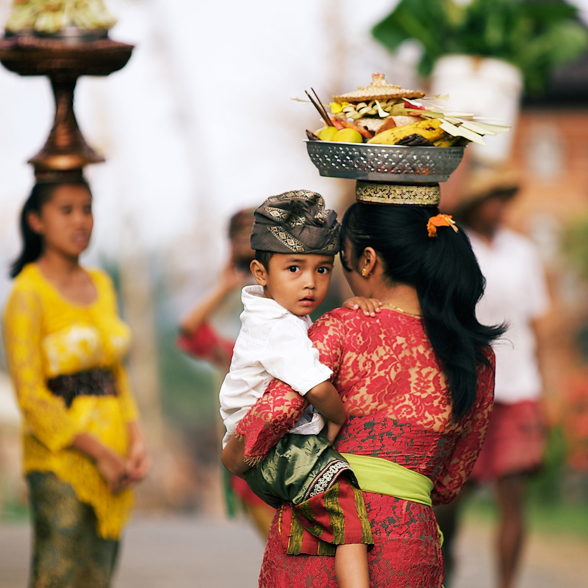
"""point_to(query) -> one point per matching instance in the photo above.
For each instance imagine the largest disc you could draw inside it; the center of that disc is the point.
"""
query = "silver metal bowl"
(396, 164)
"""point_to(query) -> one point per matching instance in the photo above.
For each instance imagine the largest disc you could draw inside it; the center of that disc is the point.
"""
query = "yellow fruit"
(327, 133)
(446, 141)
(348, 136)
(429, 129)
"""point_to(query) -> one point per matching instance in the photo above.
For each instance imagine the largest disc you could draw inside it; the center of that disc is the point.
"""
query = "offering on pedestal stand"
(63, 40)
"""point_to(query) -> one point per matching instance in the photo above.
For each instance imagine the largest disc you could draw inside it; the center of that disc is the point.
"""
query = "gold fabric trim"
(297, 246)
(285, 216)
(398, 194)
(288, 240)
(311, 197)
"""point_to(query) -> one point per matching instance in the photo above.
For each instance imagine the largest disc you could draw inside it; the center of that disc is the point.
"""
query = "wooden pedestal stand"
(63, 62)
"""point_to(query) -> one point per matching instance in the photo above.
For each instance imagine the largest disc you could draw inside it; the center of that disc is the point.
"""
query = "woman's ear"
(35, 222)
(259, 272)
(368, 261)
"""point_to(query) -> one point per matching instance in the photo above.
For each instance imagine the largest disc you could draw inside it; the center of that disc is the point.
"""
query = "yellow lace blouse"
(47, 336)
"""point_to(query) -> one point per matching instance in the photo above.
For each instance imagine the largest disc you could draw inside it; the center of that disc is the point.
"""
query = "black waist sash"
(97, 382)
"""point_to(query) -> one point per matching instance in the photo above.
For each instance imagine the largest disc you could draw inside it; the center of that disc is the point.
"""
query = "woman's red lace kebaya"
(399, 409)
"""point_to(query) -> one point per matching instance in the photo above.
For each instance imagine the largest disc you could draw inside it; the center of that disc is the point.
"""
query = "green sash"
(381, 476)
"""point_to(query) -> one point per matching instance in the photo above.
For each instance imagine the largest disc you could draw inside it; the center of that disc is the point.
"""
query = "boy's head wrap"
(295, 222)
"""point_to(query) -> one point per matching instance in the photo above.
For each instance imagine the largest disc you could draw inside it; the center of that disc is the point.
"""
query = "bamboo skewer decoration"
(320, 108)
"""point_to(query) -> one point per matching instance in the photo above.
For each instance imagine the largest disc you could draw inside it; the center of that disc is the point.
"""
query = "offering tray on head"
(398, 164)
(389, 134)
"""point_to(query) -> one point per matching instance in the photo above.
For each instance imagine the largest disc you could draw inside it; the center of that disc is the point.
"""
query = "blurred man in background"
(516, 294)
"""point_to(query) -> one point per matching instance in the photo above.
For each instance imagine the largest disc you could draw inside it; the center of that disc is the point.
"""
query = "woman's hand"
(137, 464)
(137, 457)
(369, 306)
(113, 469)
(111, 466)
(231, 278)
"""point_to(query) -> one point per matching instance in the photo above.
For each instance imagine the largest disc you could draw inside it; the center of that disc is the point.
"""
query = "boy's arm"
(325, 398)
(232, 456)
(276, 412)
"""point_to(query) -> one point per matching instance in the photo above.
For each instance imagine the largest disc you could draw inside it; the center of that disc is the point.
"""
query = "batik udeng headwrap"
(295, 222)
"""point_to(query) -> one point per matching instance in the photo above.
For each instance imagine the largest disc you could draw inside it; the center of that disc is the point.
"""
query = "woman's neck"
(58, 266)
(68, 277)
(401, 296)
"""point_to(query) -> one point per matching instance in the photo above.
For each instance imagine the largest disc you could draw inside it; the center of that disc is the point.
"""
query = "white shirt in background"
(516, 293)
(272, 343)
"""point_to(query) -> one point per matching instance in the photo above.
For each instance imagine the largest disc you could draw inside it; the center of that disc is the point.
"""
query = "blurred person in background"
(65, 344)
(516, 294)
(200, 336)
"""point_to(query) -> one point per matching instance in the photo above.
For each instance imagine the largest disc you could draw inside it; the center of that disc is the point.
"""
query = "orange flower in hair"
(441, 220)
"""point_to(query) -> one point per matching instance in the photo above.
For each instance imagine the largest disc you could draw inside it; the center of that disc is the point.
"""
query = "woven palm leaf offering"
(384, 129)
(59, 18)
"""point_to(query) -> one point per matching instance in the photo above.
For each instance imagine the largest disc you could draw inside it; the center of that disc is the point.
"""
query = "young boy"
(295, 240)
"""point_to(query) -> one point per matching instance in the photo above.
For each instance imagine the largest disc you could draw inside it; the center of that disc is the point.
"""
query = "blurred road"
(186, 552)
(170, 552)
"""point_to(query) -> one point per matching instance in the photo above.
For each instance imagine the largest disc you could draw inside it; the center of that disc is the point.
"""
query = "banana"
(428, 129)
(446, 141)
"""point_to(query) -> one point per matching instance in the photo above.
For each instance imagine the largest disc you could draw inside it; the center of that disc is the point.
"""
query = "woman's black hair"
(33, 242)
(447, 278)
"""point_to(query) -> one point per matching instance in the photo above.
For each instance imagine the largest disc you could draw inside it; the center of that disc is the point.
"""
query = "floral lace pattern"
(400, 409)
(406, 551)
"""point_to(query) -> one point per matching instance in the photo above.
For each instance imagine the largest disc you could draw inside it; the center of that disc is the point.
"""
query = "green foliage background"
(534, 36)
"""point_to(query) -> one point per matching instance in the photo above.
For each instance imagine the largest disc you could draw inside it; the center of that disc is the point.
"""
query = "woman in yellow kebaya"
(65, 344)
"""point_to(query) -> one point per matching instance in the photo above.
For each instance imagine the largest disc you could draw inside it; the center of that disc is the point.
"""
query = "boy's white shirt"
(272, 343)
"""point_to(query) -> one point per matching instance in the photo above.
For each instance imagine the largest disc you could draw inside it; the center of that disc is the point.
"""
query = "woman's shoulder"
(26, 293)
(341, 315)
(28, 280)
(490, 356)
(486, 371)
(336, 319)
(101, 278)
(489, 353)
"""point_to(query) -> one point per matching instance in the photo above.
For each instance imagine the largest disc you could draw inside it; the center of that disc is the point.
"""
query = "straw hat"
(379, 89)
(484, 183)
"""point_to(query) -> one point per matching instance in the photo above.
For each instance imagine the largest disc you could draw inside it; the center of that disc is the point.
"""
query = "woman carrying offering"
(82, 445)
(416, 381)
